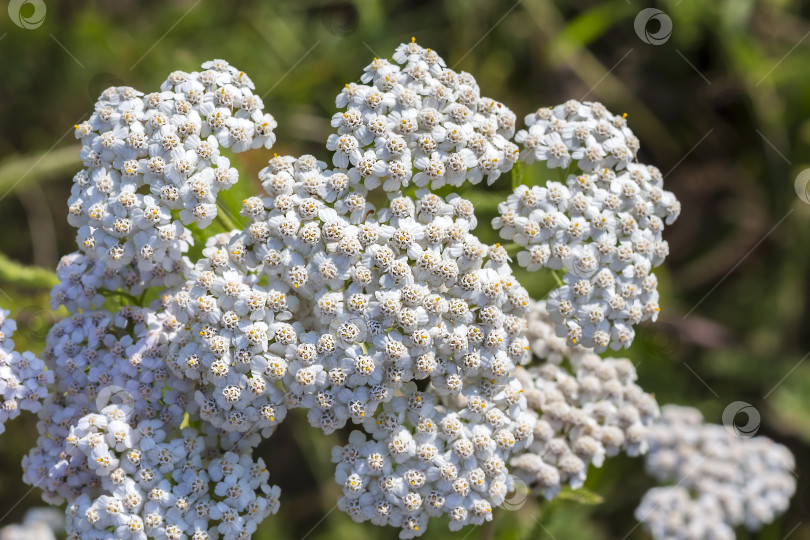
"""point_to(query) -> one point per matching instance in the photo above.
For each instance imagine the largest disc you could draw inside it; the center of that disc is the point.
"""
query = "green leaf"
(517, 175)
(31, 277)
(594, 23)
(581, 496)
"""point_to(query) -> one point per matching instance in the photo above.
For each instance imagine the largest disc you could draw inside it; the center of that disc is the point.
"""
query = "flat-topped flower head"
(185, 486)
(602, 227)
(310, 307)
(24, 378)
(585, 408)
(356, 288)
(297, 303)
(153, 165)
(712, 468)
(416, 120)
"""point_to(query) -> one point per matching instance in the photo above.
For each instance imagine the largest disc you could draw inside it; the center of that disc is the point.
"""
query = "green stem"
(224, 219)
(226, 224)
(31, 277)
(517, 175)
(121, 294)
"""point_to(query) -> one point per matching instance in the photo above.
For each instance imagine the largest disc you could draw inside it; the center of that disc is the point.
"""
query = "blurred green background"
(721, 107)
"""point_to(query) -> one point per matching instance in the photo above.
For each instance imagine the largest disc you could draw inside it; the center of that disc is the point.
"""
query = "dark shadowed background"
(721, 107)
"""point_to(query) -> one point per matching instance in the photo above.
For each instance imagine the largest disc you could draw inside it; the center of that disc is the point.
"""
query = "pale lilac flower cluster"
(746, 481)
(226, 334)
(23, 378)
(585, 409)
(188, 486)
(586, 135)
(671, 513)
(603, 229)
(417, 120)
(96, 358)
(325, 303)
(153, 164)
(39, 523)
(363, 300)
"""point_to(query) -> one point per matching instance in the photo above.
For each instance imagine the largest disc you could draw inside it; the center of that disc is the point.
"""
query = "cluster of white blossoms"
(185, 487)
(544, 343)
(24, 379)
(420, 121)
(722, 480)
(174, 488)
(39, 523)
(354, 292)
(85, 281)
(132, 465)
(584, 410)
(96, 358)
(585, 133)
(226, 335)
(671, 513)
(153, 166)
(325, 303)
(602, 226)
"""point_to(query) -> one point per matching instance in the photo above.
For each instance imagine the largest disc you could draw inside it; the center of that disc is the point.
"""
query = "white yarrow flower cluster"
(24, 379)
(671, 513)
(583, 413)
(110, 461)
(544, 343)
(734, 480)
(602, 226)
(153, 165)
(171, 488)
(98, 358)
(417, 120)
(344, 307)
(365, 301)
(227, 334)
(583, 134)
